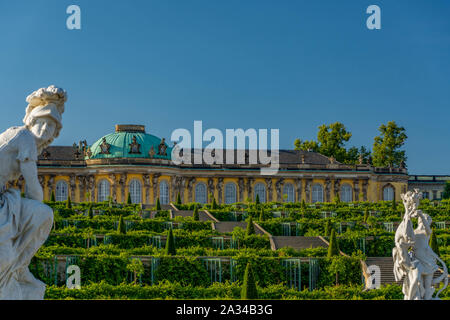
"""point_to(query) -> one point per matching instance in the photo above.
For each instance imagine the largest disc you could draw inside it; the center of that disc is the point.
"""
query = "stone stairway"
(203, 216)
(298, 242)
(228, 226)
(386, 265)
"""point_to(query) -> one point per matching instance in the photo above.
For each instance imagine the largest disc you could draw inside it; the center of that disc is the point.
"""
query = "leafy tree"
(158, 204)
(332, 139)
(446, 193)
(196, 215)
(238, 235)
(306, 145)
(433, 242)
(250, 227)
(333, 248)
(386, 146)
(121, 227)
(129, 199)
(68, 203)
(249, 290)
(52, 196)
(354, 155)
(178, 199)
(170, 244)
(137, 267)
(337, 266)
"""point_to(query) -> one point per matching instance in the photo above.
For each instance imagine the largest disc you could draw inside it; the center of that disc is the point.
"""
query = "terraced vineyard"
(121, 249)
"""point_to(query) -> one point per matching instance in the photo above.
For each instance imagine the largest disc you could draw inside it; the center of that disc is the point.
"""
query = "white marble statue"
(413, 257)
(25, 223)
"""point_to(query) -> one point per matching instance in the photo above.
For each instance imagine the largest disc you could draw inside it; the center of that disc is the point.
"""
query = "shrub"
(249, 290)
(250, 227)
(121, 226)
(195, 215)
(158, 205)
(333, 249)
(68, 203)
(433, 242)
(170, 244)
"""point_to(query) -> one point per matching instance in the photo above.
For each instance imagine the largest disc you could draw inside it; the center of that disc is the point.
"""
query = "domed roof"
(128, 141)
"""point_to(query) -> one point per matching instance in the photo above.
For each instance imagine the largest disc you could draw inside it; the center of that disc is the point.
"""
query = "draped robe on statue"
(24, 223)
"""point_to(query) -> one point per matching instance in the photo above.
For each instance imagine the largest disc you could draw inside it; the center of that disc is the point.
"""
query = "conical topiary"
(196, 215)
(158, 205)
(250, 227)
(261, 215)
(257, 202)
(249, 290)
(303, 205)
(333, 248)
(52, 196)
(121, 227)
(433, 242)
(366, 215)
(129, 199)
(178, 199)
(90, 211)
(170, 244)
(68, 203)
(328, 228)
(214, 204)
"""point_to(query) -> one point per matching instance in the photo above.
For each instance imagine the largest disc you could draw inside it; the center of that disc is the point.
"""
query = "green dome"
(121, 144)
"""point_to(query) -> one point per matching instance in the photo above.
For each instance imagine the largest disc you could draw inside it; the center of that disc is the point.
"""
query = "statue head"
(44, 114)
(411, 200)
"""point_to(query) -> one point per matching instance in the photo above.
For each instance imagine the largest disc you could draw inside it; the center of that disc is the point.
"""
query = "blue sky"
(292, 65)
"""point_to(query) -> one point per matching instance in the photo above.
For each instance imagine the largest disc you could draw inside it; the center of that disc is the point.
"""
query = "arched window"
(103, 190)
(163, 192)
(135, 191)
(346, 193)
(230, 193)
(317, 193)
(61, 191)
(260, 190)
(200, 193)
(388, 193)
(288, 189)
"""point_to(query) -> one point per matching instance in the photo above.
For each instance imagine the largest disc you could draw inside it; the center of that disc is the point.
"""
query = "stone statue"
(413, 257)
(25, 223)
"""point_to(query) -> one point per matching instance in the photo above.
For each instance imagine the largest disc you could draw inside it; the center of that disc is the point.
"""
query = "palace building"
(132, 161)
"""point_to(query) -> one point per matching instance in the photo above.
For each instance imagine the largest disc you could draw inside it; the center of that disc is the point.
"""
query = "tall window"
(230, 193)
(163, 192)
(61, 191)
(388, 193)
(135, 191)
(346, 193)
(288, 189)
(317, 193)
(260, 190)
(200, 193)
(103, 190)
